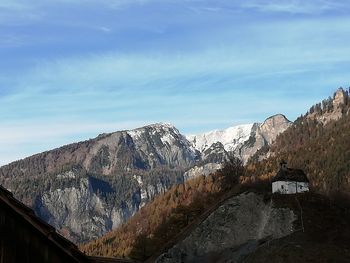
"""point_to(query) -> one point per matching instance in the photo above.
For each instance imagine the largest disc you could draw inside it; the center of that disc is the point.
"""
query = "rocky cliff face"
(86, 207)
(162, 144)
(80, 212)
(232, 231)
(263, 135)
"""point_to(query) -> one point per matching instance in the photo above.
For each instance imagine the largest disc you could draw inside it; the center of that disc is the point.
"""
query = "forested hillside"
(318, 142)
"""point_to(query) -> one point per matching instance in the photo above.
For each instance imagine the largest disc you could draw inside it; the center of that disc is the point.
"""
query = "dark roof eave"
(288, 180)
(41, 226)
(291, 175)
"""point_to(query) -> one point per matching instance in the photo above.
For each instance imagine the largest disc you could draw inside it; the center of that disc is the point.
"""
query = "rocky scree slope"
(233, 230)
(324, 235)
(253, 227)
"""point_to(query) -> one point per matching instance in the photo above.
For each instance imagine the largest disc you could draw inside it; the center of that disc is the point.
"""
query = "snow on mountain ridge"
(230, 137)
(166, 133)
(156, 128)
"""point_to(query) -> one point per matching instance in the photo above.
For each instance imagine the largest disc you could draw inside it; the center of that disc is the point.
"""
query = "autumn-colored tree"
(142, 248)
(232, 170)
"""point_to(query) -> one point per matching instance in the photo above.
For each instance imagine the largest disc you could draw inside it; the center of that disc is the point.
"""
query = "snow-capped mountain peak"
(230, 137)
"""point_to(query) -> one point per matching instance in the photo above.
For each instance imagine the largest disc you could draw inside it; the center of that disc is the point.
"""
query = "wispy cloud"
(104, 29)
(293, 6)
(14, 5)
(11, 40)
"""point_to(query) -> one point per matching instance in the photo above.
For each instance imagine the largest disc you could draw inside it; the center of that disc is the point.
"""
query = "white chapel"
(289, 181)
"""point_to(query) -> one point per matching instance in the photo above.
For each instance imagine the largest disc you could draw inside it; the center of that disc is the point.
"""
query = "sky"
(72, 69)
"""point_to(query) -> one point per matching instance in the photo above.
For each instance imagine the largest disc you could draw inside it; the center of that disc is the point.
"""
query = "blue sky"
(73, 69)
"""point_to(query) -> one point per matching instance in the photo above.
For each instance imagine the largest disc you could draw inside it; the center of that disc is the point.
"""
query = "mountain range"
(88, 188)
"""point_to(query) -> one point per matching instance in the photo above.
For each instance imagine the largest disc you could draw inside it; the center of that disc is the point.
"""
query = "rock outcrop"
(263, 135)
(330, 109)
(205, 170)
(339, 98)
(232, 230)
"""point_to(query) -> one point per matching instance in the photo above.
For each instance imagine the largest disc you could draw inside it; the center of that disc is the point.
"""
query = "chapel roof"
(288, 174)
